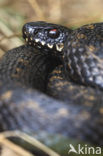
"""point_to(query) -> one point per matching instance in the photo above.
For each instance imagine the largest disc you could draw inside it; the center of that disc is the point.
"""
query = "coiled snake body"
(64, 64)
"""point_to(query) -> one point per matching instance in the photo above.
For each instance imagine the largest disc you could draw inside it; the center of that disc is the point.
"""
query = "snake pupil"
(54, 33)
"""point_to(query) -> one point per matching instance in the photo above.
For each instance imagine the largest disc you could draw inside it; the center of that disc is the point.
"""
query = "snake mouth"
(38, 43)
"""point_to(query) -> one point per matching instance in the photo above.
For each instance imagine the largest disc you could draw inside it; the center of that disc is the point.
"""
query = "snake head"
(45, 36)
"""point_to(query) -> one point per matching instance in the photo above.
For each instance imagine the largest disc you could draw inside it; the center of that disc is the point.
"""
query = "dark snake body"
(80, 113)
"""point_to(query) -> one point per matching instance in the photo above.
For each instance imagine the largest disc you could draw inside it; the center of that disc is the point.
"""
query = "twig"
(37, 9)
(30, 140)
(13, 147)
(11, 36)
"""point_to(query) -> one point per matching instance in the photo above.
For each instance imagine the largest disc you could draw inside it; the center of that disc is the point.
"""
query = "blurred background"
(71, 13)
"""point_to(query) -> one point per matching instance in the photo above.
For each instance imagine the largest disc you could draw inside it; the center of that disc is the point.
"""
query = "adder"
(54, 83)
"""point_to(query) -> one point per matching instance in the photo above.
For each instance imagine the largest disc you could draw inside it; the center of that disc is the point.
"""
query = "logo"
(72, 149)
(84, 149)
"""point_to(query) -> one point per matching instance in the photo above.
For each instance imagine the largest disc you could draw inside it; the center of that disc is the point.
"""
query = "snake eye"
(53, 33)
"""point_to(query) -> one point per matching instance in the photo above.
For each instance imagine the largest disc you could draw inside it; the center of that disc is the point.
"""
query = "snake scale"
(54, 83)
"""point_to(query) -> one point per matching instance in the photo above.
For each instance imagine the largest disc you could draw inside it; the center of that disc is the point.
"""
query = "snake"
(54, 82)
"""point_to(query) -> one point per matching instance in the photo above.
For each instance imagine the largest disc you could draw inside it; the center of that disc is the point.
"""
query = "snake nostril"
(35, 31)
(25, 31)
